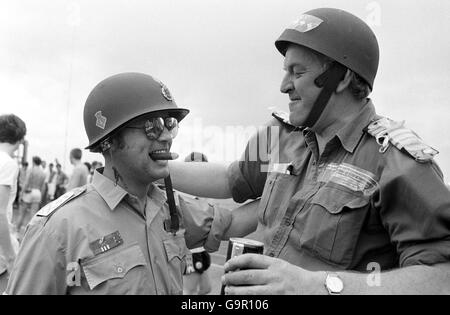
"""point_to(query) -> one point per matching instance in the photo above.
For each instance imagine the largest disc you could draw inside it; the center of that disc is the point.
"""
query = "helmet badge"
(165, 92)
(306, 23)
(101, 120)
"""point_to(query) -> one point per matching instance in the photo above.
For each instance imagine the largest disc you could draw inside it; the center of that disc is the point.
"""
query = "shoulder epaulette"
(49, 209)
(388, 131)
(283, 118)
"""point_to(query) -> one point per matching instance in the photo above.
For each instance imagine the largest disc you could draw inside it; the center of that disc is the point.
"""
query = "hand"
(264, 275)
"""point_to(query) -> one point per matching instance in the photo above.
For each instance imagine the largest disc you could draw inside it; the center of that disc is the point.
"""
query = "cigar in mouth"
(163, 156)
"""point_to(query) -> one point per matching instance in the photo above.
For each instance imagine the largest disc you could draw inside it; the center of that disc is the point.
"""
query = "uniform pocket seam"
(127, 258)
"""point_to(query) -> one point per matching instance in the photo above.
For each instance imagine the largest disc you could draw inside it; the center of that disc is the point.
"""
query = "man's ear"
(345, 82)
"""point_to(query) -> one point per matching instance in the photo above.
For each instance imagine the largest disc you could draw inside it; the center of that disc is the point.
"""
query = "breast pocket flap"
(336, 200)
(113, 266)
(175, 248)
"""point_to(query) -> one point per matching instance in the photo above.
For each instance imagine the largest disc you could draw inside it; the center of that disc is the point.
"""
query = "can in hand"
(240, 246)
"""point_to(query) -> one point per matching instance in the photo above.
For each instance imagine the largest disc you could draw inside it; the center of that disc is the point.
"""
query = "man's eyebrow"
(293, 65)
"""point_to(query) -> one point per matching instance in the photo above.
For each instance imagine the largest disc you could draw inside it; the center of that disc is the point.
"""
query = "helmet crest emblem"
(165, 92)
(306, 23)
(101, 120)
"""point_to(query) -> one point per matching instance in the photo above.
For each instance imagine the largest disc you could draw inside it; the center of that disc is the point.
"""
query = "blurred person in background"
(51, 182)
(12, 134)
(80, 172)
(61, 181)
(95, 165)
(32, 194)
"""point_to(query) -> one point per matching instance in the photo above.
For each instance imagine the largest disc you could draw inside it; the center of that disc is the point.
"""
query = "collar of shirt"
(351, 133)
(113, 194)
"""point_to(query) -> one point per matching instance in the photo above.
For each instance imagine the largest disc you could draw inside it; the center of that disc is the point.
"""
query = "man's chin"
(162, 173)
(295, 120)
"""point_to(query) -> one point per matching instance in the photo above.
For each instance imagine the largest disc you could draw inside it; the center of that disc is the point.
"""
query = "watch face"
(334, 284)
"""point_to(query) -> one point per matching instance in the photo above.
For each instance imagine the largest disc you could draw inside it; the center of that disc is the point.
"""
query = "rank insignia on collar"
(106, 243)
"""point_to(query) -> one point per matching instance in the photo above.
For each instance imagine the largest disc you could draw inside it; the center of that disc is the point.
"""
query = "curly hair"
(358, 87)
(12, 129)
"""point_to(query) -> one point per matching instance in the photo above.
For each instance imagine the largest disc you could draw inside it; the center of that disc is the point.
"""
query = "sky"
(218, 60)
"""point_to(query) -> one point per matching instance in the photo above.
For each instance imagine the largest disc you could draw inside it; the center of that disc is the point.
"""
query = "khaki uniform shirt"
(66, 248)
(352, 208)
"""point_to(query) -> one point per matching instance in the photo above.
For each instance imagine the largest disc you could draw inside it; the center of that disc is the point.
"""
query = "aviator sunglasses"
(154, 127)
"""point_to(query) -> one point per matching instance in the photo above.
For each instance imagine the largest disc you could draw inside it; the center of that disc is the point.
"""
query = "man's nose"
(166, 135)
(286, 84)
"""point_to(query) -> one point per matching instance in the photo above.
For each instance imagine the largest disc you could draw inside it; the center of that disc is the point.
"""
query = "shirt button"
(119, 269)
(314, 163)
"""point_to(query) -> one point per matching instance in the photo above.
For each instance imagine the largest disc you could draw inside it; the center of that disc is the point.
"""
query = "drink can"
(240, 246)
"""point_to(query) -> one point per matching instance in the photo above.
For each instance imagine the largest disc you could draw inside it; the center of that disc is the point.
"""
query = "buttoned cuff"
(205, 223)
(220, 224)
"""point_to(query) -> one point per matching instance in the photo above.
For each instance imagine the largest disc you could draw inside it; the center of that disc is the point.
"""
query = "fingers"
(248, 261)
(246, 277)
(252, 290)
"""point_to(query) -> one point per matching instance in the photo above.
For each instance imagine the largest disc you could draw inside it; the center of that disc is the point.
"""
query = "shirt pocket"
(274, 198)
(176, 250)
(333, 224)
(123, 271)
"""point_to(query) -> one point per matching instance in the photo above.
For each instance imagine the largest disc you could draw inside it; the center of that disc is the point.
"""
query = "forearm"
(415, 280)
(207, 180)
(6, 247)
(244, 220)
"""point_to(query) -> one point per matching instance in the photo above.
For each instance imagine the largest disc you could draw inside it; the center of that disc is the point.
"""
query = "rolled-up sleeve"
(248, 175)
(205, 223)
(39, 268)
(415, 210)
(246, 180)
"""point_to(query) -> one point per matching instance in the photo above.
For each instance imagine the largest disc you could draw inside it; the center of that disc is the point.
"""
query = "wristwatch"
(334, 284)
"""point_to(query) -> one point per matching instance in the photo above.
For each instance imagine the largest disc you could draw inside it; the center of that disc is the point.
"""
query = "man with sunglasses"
(119, 235)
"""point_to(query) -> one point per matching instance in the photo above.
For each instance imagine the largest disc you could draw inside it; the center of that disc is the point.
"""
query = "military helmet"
(338, 35)
(121, 98)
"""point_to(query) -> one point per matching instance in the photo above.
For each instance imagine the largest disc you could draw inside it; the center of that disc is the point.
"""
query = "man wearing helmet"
(352, 203)
(118, 235)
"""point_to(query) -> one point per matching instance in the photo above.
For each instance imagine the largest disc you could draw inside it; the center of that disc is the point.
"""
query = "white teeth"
(160, 151)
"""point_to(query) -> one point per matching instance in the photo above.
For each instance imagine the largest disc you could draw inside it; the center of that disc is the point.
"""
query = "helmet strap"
(105, 145)
(329, 81)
